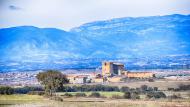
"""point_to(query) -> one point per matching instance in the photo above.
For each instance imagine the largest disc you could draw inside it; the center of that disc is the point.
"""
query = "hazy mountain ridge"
(163, 35)
(140, 42)
(28, 41)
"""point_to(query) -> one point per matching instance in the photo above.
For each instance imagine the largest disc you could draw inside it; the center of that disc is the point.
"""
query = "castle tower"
(107, 68)
(111, 68)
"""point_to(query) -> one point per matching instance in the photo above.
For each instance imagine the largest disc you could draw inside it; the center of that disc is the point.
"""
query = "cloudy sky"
(65, 14)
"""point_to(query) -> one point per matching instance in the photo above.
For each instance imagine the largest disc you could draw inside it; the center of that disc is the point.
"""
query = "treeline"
(152, 92)
(180, 88)
(21, 90)
(87, 88)
(82, 88)
(6, 90)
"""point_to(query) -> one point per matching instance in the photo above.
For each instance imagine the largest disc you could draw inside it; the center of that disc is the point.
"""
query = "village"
(114, 83)
(111, 72)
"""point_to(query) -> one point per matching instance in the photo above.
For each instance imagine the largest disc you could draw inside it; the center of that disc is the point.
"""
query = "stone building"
(80, 80)
(111, 72)
(139, 74)
(111, 68)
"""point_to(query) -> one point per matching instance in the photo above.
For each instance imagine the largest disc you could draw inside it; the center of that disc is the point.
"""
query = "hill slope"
(140, 37)
(138, 42)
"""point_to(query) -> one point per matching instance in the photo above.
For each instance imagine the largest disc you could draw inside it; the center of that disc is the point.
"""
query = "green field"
(19, 99)
(105, 94)
(40, 101)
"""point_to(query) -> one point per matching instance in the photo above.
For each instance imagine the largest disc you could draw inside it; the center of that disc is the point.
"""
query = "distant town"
(112, 72)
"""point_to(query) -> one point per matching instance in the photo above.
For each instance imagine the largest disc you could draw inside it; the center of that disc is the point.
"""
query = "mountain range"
(134, 41)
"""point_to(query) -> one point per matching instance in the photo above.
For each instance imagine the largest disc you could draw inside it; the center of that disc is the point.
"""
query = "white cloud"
(65, 14)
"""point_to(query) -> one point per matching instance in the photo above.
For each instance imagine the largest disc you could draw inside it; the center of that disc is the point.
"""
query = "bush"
(150, 89)
(87, 88)
(116, 97)
(184, 87)
(95, 94)
(56, 98)
(80, 95)
(127, 95)
(155, 95)
(174, 96)
(171, 89)
(135, 95)
(26, 89)
(6, 90)
(124, 89)
(160, 95)
(144, 87)
(36, 93)
(155, 88)
(68, 95)
(151, 80)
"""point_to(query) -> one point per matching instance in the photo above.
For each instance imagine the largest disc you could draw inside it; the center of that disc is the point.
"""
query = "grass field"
(106, 94)
(161, 84)
(23, 100)
(19, 99)
(39, 101)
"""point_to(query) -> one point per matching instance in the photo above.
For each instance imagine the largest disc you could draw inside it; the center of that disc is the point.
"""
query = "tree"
(127, 95)
(124, 89)
(155, 88)
(155, 95)
(135, 95)
(6, 90)
(52, 80)
(144, 87)
(80, 95)
(95, 94)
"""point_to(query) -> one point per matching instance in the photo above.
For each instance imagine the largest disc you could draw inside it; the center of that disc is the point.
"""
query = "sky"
(66, 14)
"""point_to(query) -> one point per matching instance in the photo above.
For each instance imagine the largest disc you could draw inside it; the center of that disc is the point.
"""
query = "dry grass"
(38, 101)
(161, 84)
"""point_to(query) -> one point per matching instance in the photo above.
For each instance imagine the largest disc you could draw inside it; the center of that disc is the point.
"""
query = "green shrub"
(150, 89)
(36, 93)
(6, 90)
(56, 98)
(161, 95)
(151, 80)
(80, 95)
(68, 95)
(127, 95)
(116, 97)
(155, 88)
(26, 89)
(88, 88)
(171, 89)
(144, 87)
(95, 94)
(183, 87)
(135, 95)
(124, 89)
(174, 96)
(155, 95)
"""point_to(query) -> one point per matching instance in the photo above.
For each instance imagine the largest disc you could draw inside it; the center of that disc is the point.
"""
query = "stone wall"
(139, 74)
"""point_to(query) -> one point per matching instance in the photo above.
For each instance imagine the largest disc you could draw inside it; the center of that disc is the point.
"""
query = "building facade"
(139, 74)
(111, 68)
(111, 72)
